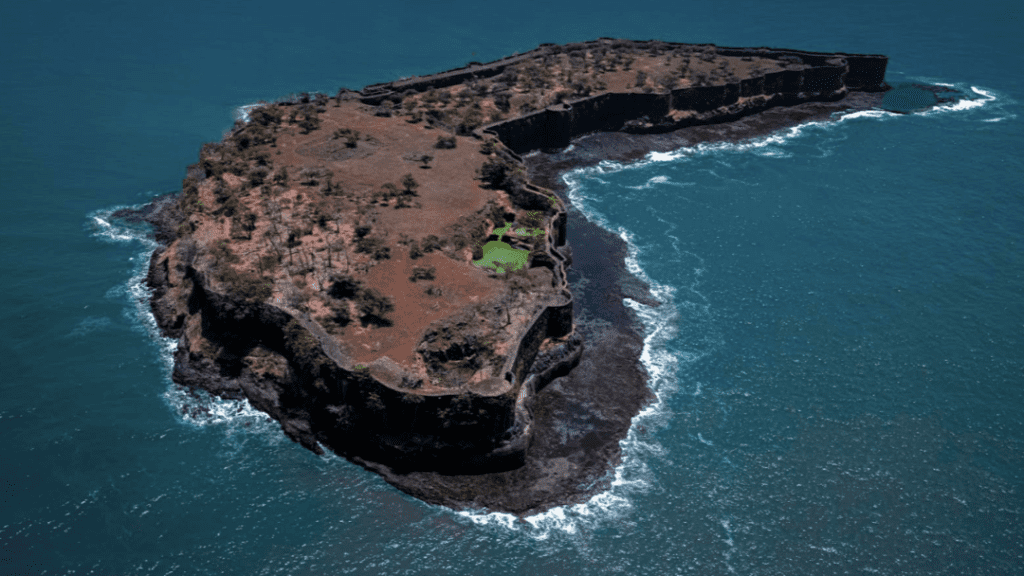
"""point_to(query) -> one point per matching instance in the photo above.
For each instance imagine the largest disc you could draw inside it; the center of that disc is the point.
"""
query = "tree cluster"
(351, 137)
(373, 306)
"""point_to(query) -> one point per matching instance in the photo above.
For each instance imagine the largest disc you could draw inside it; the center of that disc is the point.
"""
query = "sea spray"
(197, 408)
(633, 475)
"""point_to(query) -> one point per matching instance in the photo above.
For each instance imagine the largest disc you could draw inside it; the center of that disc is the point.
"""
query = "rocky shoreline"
(609, 379)
(581, 391)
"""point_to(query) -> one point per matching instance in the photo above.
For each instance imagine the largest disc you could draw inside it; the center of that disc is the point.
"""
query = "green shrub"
(374, 307)
(387, 192)
(374, 247)
(248, 286)
(533, 219)
(223, 254)
(252, 287)
(351, 137)
(495, 172)
(184, 229)
(502, 101)
(313, 176)
(445, 142)
(242, 225)
(410, 185)
(310, 120)
(340, 315)
(266, 115)
(421, 273)
(344, 286)
(414, 250)
(332, 189)
(430, 243)
(257, 176)
(471, 120)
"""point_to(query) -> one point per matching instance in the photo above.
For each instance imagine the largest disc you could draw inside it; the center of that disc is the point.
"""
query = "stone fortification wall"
(813, 76)
(324, 400)
(821, 77)
(378, 412)
(865, 72)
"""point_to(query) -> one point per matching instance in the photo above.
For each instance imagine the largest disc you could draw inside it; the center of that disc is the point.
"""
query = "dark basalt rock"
(501, 452)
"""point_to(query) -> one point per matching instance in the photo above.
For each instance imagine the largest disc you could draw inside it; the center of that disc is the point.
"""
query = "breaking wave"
(661, 324)
(196, 408)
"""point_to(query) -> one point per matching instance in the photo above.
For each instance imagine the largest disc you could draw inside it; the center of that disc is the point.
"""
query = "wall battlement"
(380, 412)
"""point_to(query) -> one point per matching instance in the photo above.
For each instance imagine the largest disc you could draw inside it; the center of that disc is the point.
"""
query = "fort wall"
(378, 412)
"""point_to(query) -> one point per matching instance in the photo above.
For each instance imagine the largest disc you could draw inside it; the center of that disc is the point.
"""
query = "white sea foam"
(772, 145)
(660, 324)
(633, 475)
(983, 98)
(198, 409)
(242, 112)
(201, 409)
(775, 144)
(108, 230)
(658, 181)
(871, 114)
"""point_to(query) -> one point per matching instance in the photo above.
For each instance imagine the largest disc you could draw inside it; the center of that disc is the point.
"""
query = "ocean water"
(838, 361)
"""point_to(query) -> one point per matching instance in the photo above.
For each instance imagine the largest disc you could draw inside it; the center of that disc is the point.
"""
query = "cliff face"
(303, 271)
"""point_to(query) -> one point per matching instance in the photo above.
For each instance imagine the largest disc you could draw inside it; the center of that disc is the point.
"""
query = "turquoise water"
(838, 363)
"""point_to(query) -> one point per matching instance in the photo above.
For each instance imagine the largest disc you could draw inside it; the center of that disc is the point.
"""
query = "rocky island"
(387, 274)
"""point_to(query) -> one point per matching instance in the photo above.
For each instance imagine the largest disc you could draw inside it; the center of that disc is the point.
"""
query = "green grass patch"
(501, 257)
(501, 232)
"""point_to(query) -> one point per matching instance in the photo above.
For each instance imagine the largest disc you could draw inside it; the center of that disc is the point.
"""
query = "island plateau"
(387, 272)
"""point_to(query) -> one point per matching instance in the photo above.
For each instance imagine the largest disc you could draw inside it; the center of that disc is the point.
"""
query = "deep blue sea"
(838, 362)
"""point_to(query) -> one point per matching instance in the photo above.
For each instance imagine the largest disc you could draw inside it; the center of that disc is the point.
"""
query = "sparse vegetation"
(374, 247)
(248, 286)
(223, 254)
(344, 286)
(445, 142)
(374, 308)
(430, 243)
(340, 315)
(421, 273)
(414, 250)
(310, 119)
(410, 185)
(351, 137)
(318, 244)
